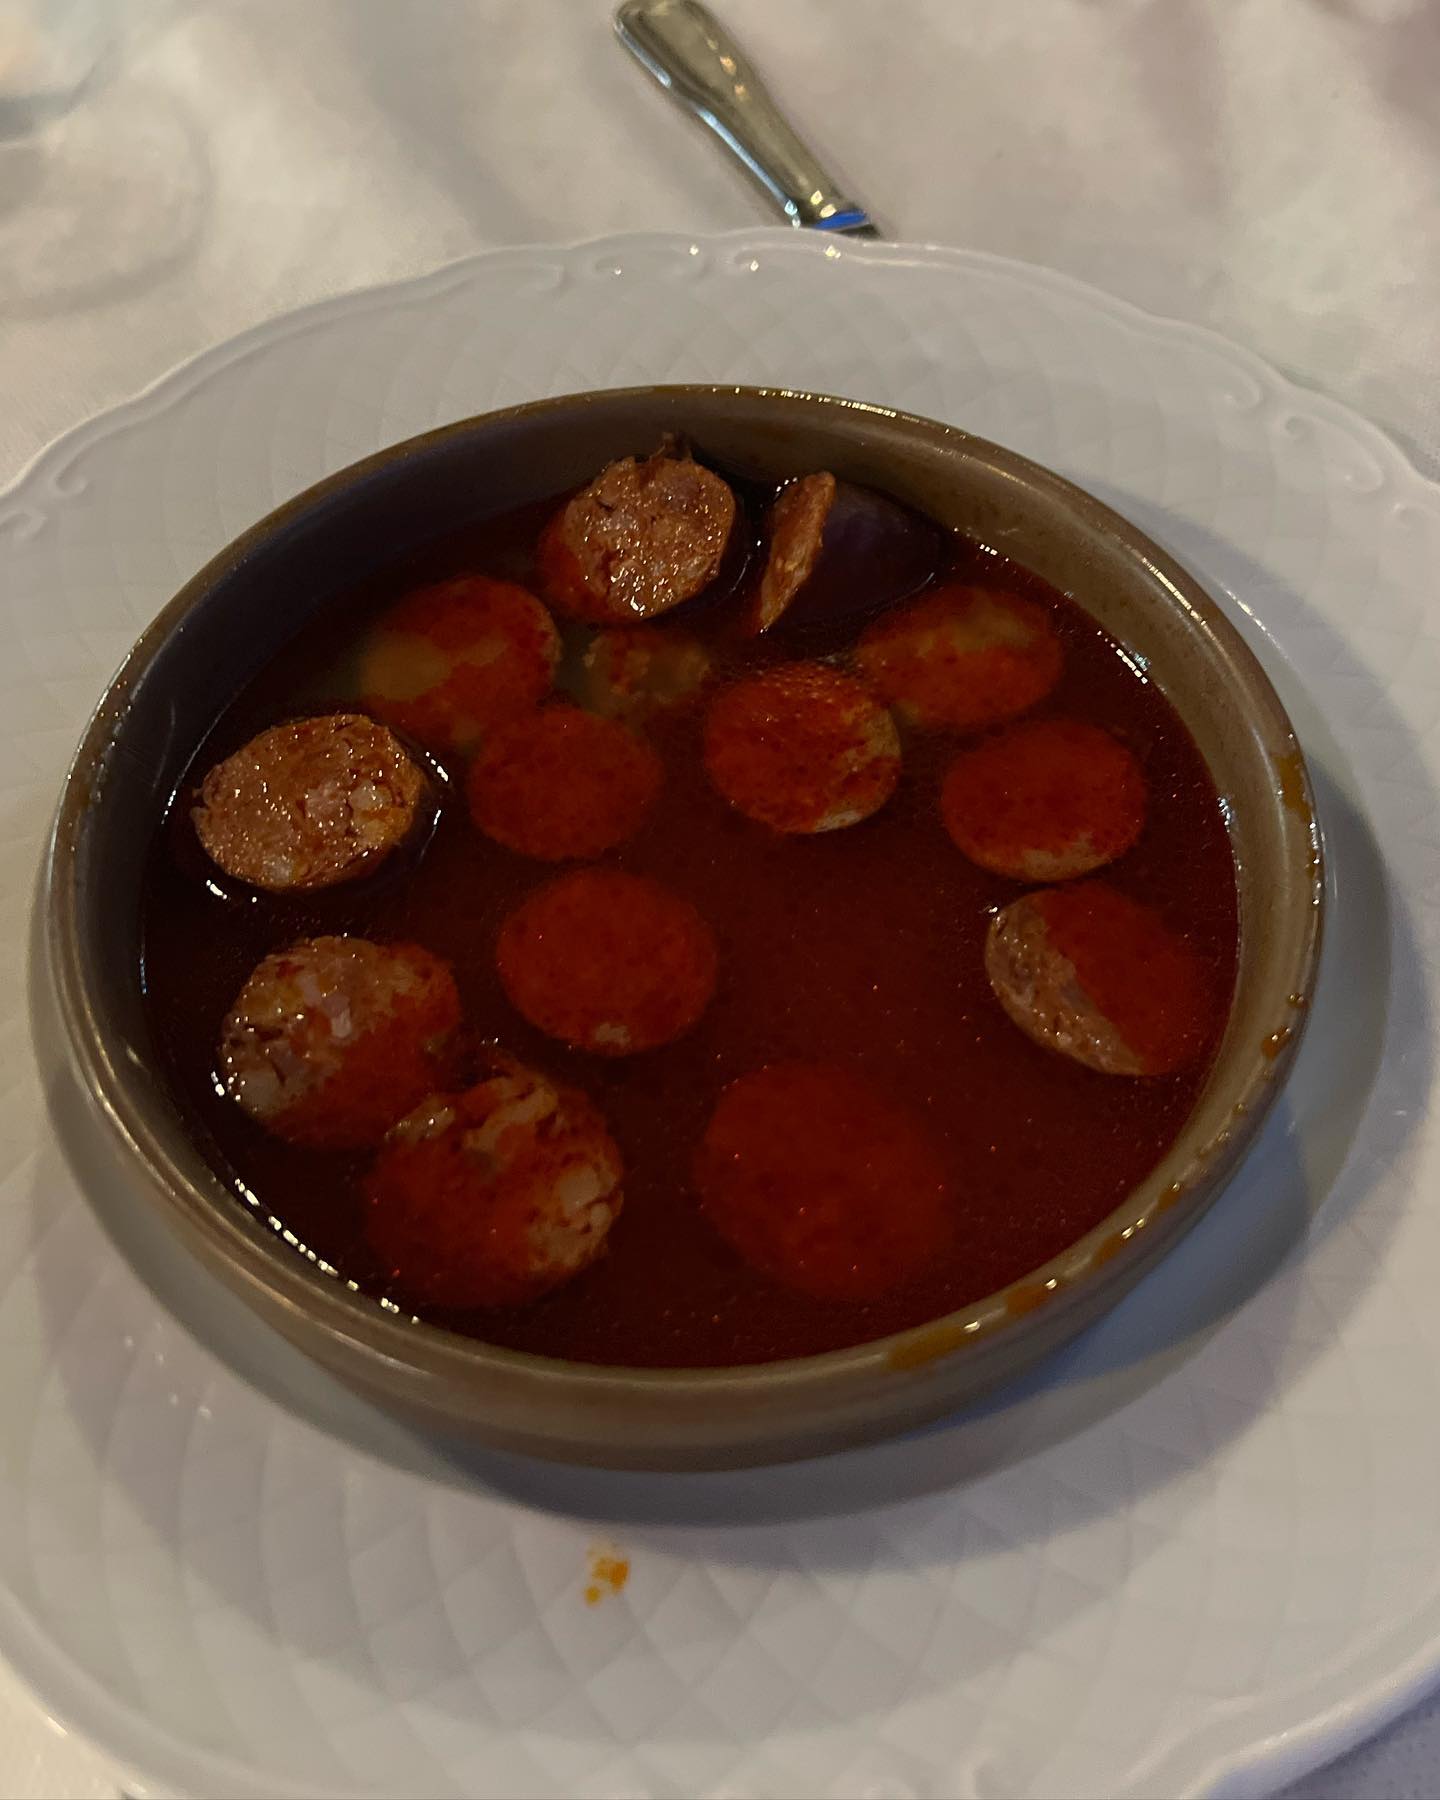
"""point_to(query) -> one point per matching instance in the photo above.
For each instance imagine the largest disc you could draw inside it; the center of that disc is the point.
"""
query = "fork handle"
(690, 53)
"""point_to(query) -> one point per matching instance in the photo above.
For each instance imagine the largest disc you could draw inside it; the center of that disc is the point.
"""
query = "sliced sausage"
(823, 1182)
(561, 782)
(450, 661)
(607, 962)
(802, 748)
(794, 530)
(493, 1196)
(641, 538)
(310, 803)
(636, 672)
(1047, 800)
(1101, 978)
(962, 657)
(331, 1041)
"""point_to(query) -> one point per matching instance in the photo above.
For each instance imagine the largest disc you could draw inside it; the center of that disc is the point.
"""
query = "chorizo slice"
(310, 803)
(642, 538)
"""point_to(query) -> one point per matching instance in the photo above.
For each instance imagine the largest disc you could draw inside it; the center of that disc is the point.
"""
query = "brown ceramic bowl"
(212, 637)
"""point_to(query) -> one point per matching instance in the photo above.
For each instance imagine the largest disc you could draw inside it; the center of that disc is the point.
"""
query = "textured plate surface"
(1198, 1554)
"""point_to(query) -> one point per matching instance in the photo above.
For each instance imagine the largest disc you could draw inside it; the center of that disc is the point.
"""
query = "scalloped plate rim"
(175, 382)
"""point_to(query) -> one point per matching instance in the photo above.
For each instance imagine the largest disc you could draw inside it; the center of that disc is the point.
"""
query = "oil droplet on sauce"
(1276, 1042)
(928, 1346)
(1025, 1296)
(608, 1574)
(1290, 774)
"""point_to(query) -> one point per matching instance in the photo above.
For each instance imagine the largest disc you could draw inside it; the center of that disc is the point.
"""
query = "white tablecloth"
(1268, 167)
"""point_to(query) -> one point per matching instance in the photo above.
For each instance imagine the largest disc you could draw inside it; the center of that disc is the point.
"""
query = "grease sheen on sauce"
(862, 946)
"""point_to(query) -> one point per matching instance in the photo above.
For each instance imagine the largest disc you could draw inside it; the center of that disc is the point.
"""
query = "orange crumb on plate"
(608, 1574)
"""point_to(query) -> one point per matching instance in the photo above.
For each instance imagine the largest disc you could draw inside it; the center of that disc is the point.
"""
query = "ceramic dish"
(248, 601)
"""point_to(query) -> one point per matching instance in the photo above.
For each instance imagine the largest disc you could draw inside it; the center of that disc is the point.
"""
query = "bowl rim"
(261, 1260)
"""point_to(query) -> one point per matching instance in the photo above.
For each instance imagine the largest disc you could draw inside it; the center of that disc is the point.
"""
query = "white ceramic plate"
(1199, 1553)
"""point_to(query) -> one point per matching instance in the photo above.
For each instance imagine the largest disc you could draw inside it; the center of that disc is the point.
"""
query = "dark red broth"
(859, 946)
